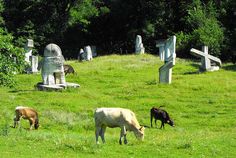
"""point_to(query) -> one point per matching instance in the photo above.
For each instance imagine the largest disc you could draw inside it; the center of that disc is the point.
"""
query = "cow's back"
(113, 117)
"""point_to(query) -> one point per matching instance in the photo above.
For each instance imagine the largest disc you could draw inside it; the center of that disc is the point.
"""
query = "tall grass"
(201, 104)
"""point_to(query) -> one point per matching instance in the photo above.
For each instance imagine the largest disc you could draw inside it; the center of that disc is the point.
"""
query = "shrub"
(11, 59)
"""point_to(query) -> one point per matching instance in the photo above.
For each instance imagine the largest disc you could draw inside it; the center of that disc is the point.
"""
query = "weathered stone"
(207, 60)
(139, 48)
(88, 53)
(34, 64)
(28, 50)
(81, 55)
(52, 69)
(168, 55)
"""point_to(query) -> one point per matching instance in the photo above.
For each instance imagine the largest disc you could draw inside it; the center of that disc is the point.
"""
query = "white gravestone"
(139, 48)
(168, 55)
(28, 50)
(88, 53)
(52, 69)
(206, 59)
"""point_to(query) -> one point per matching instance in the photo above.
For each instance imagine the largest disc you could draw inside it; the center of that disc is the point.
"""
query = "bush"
(11, 59)
(203, 29)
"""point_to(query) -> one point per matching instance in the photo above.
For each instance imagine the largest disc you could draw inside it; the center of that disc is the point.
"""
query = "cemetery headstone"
(168, 55)
(139, 48)
(28, 50)
(88, 53)
(53, 75)
(81, 55)
(208, 62)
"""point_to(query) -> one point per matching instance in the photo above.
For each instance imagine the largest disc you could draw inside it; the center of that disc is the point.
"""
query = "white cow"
(117, 117)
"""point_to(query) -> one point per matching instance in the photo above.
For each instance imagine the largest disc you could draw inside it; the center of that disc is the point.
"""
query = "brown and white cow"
(117, 117)
(26, 113)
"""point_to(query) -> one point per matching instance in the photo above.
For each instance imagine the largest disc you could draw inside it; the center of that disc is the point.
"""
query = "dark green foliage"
(113, 25)
(11, 59)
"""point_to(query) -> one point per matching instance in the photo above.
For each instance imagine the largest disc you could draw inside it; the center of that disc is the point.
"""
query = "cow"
(26, 113)
(160, 114)
(117, 117)
(68, 69)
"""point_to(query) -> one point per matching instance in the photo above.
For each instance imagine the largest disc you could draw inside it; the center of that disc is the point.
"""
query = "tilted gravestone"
(168, 54)
(207, 60)
(139, 48)
(52, 70)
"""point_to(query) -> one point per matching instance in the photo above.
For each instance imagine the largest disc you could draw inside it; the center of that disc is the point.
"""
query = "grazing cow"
(117, 117)
(68, 69)
(26, 113)
(160, 114)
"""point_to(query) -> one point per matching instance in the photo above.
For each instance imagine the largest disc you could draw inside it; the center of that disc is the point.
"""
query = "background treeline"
(112, 26)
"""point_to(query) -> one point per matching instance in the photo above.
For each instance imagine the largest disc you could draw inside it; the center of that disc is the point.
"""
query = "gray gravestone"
(34, 64)
(207, 60)
(81, 55)
(52, 69)
(168, 55)
(139, 48)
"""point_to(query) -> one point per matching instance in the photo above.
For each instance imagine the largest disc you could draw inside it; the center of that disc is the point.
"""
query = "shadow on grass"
(230, 67)
(17, 91)
(193, 72)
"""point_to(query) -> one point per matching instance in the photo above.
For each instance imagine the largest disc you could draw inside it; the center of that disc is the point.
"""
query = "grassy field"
(202, 105)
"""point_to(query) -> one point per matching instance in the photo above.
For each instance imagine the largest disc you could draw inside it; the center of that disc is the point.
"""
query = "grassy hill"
(202, 105)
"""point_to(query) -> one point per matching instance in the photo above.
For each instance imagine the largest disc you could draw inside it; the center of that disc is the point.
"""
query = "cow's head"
(170, 122)
(140, 133)
(36, 125)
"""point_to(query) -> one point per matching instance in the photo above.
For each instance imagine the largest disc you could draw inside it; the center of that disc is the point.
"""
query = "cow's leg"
(123, 134)
(16, 121)
(97, 133)
(103, 130)
(151, 116)
(162, 124)
(31, 123)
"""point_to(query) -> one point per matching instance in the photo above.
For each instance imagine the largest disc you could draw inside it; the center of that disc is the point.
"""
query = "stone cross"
(168, 55)
(206, 59)
(139, 48)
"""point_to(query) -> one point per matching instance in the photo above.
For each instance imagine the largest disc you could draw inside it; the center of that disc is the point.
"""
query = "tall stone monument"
(88, 53)
(29, 58)
(168, 55)
(208, 62)
(52, 69)
(28, 50)
(139, 48)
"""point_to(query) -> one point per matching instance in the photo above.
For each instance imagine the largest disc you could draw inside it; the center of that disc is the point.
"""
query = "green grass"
(202, 105)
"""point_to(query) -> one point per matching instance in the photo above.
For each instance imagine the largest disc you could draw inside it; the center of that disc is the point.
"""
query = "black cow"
(68, 69)
(160, 114)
